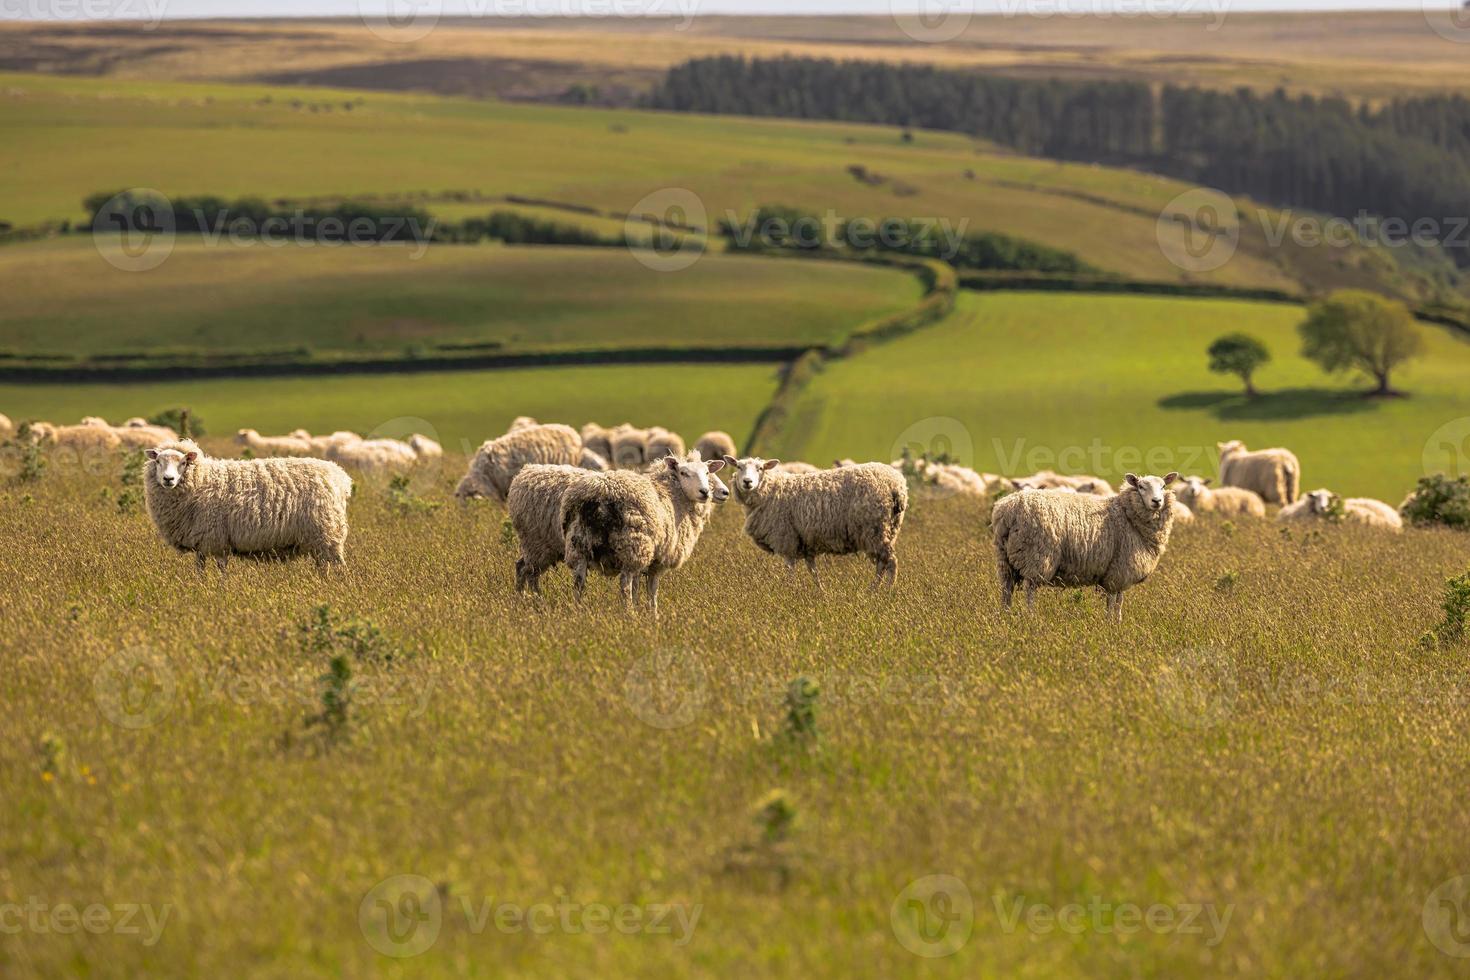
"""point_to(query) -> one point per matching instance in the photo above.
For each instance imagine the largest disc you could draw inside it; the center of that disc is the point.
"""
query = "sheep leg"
(579, 579)
(199, 559)
(521, 575)
(652, 591)
(1115, 606)
(220, 560)
(811, 566)
(1030, 596)
(1007, 586)
(628, 583)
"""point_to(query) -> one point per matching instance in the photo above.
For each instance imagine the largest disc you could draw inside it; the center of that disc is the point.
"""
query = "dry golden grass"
(1262, 736)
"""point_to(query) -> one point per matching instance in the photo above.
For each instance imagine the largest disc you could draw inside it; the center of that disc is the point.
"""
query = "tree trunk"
(1383, 388)
(1250, 388)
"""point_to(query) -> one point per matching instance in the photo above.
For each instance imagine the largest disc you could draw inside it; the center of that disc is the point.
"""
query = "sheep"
(849, 510)
(80, 438)
(1028, 483)
(715, 444)
(136, 433)
(425, 448)
(522, 422)
(629, 447)
(1273, 474)
(497, 461)
(272, 445)
(598, 440)
(1070, 540)
(322, 445)
(7, 427)
(219, 507)
(1323, 505)
(661, 442)
(591, 461)
(374, 455)
(796, 466)
(627, 524)
(1196, 494)
(951, 478)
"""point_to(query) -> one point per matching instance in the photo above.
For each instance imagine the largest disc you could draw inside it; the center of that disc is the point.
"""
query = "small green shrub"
(1440, 500)
(404, 501)
(1456, 608)
(336, 699)
(801, 710)
(325, 633)
(181, 420)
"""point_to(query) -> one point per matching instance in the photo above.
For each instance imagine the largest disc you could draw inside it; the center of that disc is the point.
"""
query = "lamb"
(598, 440)
(498, 461)
(1273, 474)
(661, 442)
(425, 448)
(629, 447)
(843, 511)
(627, 524)
(715, 444)
(219, 507)
(1045, 537)
(1196, 494)
(1322, 505)
(272, 445)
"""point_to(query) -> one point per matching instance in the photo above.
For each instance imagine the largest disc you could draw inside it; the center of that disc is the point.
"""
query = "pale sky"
(172, 9)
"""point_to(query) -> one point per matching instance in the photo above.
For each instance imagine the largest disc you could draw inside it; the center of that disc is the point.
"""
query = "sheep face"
(1152, 489)
(694, 476)
(717, 487)
(245, 435)
(170, 466)
(1321, 501)
(750, 471)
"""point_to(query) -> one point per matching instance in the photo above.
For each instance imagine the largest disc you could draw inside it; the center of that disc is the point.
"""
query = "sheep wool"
(1273, 474)
(591, 461)
(627, 524)
(522, 422)
(534, 503)
(272, 445)
(376, 456)
(662, 442)
(1196, 494)
(715, 444)
(425, 448)
(1072, 540)
(7, 428)
(598, 440)
(498, 461)
(218, 507)
(1320, 505)
(629, 447)
(843, 511)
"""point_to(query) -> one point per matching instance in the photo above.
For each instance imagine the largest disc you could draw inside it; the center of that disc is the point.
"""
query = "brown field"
(1362, 55)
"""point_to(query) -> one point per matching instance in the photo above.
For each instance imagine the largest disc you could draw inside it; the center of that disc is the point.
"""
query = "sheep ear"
(672, 462)
(727, 458)
(1132, 480)
(1207, 480)
(190, 457)
(151, 454)
(715, 465)
(1170, 478)
(771, 464)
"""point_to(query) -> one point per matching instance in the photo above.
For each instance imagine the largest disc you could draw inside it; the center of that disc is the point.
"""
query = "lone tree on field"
(1357, 329)
(1239, 354)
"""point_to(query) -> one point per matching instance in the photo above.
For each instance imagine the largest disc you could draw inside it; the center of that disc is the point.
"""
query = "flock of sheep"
(631, 503)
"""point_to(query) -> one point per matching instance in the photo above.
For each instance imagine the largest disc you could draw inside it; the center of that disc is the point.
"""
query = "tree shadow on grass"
(1286, 403)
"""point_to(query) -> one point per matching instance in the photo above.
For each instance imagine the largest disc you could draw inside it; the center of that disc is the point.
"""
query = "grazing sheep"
(272, 445)
(627, 524)
(843, 511)
(796, 466)
(377, 456)
(425, 448)
(322, 445)
(1182, 514)
(219, 507)
(629, 447)
(951, 478)
(591, 461)
(1273, 474)
(7, 428)
(534, 502)
(1027, 483)
(522, 422)
(79, 438)
(498, 461)
(1071, 540)
(662, 442)
(1196, 494)
(1322, 505)
(599, 440)
(715, 444)
(138, 434)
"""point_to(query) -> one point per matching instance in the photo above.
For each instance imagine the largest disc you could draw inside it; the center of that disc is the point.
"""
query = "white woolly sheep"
(425, 448)
(7, 428)
(78, 438)
(1322, 505)
(661, 442)
(1027, 483)
(796, 466)
(272, 445)
(377, 456)
(1196, 494)
(591, 461)
(599, 440)
(629, 447)
(321, 445)
(627, 524)
(1274, 474)
(843, 511)
(1072, 540)
(715, 444)
(522, 422)
(215, 508)
(498, 461)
